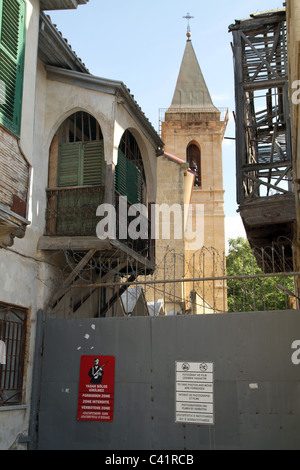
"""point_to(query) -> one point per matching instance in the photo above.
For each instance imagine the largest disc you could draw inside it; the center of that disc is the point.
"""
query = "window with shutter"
(93, 163)
(120, 174)
(81, 165)
(12, 48)
(129, 173)
(69, 165)
(128, 180)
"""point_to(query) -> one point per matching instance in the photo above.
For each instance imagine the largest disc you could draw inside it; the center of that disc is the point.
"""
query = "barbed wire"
(204, 269)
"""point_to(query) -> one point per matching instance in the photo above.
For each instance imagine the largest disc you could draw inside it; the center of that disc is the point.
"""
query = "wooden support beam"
(76, 271)
(271, 54)
(73, 243)
(105, 278)
(240, 106)
(263, 60)
(116, 296)
(257, 180)
(264, 84)
(266, 166)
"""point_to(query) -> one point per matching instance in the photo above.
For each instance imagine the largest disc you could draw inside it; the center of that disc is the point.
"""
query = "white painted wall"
(27, 276)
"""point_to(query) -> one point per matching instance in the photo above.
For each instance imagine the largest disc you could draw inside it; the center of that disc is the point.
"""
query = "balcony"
(71, 223)
(14, 184)
(72, 211)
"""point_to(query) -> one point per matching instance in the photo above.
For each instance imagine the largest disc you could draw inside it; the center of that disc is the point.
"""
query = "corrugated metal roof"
(61, 4)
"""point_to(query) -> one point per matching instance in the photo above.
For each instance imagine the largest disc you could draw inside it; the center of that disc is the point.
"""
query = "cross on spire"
(188, 17)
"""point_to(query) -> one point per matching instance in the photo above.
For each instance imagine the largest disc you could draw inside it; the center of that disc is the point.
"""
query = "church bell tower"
(193, 130)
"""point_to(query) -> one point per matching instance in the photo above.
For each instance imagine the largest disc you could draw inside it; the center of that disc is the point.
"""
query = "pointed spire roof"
(191, 91)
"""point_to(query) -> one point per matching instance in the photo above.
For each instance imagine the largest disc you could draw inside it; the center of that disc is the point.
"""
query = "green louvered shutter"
(80, 164)
(128, 180)
(12, 49)
(120, 174)
(70, 173)
(93, 164)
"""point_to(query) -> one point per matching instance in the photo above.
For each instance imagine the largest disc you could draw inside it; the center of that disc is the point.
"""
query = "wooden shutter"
(12, 48)
(120, 174)
(93, 164)
(80, 164)
(70, 173)
(129, 181)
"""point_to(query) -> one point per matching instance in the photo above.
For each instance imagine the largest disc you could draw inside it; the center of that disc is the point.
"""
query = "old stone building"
(193, 129)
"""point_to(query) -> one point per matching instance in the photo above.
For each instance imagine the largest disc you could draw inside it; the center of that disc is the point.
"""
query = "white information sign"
(194, 392)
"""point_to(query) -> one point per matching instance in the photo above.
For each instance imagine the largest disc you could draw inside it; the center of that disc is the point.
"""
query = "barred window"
(12, 349)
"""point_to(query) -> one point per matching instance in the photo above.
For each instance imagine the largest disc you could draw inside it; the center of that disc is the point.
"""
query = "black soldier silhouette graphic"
(96, 372)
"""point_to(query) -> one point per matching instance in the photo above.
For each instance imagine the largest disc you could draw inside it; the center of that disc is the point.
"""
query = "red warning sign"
(96, 388)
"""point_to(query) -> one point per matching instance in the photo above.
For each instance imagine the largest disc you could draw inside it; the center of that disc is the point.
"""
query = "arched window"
(76, 176)
(193, 157)
(130, 174)
(81, 153)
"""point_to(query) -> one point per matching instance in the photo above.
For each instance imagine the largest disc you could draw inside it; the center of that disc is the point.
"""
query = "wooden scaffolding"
(263, 137)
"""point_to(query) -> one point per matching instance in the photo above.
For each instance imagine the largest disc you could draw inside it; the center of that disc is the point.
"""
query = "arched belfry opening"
(193, 157)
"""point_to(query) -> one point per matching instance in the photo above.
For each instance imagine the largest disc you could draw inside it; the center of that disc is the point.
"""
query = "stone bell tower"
(193, 130)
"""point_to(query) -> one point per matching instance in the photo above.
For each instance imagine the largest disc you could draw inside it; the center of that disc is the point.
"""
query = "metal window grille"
(12, 350)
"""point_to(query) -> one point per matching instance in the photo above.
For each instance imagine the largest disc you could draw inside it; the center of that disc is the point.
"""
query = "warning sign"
(194, 392)
(96, 388)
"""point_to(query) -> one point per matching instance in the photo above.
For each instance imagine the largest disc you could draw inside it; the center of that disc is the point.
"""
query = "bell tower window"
(193, 157)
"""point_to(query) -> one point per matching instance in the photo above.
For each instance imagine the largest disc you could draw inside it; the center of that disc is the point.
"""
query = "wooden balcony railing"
(72, 212)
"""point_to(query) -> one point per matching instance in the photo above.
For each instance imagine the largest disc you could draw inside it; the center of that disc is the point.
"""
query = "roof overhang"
(259, 20)
(61, 4)
(55, 50)
(113, 87)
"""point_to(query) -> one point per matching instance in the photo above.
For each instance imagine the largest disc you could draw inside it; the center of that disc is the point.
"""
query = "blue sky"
(142, 44)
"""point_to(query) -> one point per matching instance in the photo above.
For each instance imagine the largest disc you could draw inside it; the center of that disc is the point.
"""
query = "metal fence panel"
(256, 383)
